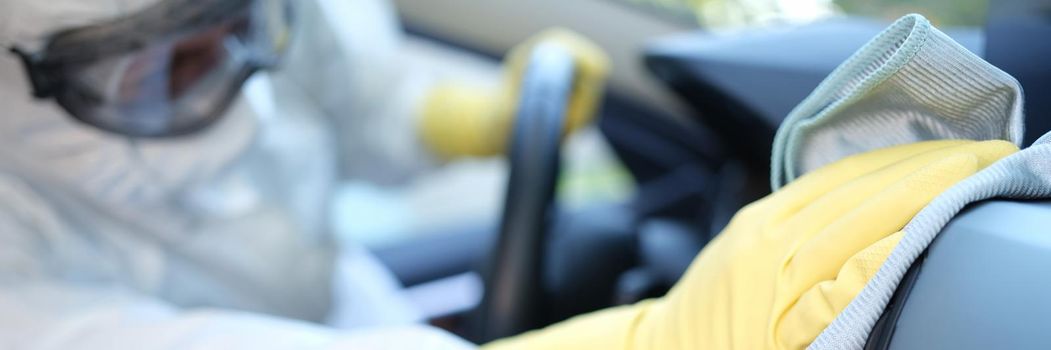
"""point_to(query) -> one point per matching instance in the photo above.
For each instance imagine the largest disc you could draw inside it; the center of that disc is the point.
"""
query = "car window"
(718, 14)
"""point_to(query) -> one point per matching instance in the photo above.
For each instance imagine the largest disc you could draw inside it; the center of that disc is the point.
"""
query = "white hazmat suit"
(218, 239)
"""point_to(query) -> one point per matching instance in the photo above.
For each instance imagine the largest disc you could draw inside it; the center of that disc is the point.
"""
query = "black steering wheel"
(514, 295)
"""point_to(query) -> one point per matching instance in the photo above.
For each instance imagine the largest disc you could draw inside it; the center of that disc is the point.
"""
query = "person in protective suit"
(148, 201)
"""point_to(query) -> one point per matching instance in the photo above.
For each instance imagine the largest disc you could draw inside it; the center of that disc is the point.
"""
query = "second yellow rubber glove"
(788, 263)
(458, 119)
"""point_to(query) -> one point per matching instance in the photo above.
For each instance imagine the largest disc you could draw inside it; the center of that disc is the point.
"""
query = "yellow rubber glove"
(787, 264)
(463, 120)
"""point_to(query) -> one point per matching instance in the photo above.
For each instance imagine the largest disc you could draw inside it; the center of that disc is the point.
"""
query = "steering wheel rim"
(513, 299)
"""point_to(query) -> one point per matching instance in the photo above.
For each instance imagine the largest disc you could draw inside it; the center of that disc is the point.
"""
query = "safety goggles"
(169, 70)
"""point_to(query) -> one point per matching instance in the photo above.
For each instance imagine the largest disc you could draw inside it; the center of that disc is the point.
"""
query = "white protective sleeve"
(56, 316)
(41, 308)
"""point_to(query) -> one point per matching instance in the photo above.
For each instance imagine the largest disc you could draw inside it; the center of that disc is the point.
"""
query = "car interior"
(697, 154)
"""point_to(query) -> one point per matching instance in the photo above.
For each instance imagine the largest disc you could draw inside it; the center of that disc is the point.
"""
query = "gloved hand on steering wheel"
(459, 119)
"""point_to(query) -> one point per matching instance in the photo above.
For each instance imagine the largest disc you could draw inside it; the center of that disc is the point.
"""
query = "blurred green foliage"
(940, 12)
(736, 13)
